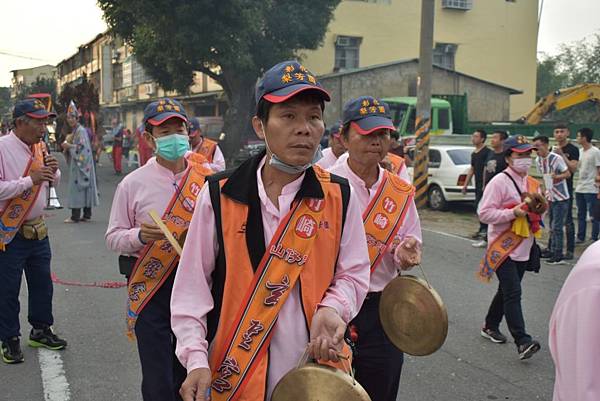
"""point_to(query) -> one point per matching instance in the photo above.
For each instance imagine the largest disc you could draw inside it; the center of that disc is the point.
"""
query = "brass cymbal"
(313, 382)
(413, 316)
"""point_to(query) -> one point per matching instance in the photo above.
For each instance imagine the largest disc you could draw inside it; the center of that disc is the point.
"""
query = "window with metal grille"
(443, 55)
(347, 53)
(458, 4)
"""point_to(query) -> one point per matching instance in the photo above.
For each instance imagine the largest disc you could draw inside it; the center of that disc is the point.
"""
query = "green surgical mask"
(172, 147)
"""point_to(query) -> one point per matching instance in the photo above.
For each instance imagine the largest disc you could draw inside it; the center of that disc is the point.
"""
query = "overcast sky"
(50, 31)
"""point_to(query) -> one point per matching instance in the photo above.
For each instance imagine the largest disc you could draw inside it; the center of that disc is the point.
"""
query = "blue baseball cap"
(162, 110)
(33, 108)
(367, 114)
(518, 144)
(194, 126)
(285, 80)
(336, 129)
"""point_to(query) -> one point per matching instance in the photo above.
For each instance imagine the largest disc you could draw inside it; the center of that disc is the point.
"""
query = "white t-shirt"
(588, 170)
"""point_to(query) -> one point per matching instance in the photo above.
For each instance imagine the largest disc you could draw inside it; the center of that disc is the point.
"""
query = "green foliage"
(5, 103)
(232, 41)
(40, 85)
(84, 94)
(575, 64)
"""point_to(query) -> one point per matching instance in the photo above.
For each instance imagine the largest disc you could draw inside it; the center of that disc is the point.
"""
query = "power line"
(21, 56)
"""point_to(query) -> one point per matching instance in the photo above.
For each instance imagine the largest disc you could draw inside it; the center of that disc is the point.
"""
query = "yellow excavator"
(562, 99)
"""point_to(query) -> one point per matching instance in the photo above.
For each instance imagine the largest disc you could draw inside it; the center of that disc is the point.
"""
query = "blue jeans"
(558, 216)
(585, 204)
(570, 227)
(33, 257)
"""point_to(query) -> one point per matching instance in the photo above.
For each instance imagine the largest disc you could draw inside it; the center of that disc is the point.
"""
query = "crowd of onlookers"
(557, 166)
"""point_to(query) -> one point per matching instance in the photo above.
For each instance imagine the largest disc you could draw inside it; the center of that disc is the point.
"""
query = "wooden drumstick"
(168, 235)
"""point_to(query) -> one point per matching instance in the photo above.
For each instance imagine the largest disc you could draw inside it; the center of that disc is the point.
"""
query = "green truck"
(449, 115)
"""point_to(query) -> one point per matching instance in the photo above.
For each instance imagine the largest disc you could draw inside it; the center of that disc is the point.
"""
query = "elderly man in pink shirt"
(161, 185)
(232, 228)
(574, 326)
(25, 171)
(366, 135)
(500, 205)
(336, 147)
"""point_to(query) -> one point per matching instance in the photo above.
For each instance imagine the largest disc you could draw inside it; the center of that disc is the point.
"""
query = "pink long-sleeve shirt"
(328, 159)
(150, 187)
(387, 269)
(495, 210)
(14, 157)
(574, 331)
(218, 163)
(192, 300)
(403, 173)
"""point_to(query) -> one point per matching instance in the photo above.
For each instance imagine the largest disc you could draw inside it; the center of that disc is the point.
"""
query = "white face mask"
(280, 165)
(522, 165)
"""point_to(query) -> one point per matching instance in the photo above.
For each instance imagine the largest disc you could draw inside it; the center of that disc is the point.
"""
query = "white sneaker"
(479, 244)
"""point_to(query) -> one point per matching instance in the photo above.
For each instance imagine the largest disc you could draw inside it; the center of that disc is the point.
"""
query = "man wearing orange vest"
(206, 147)
(26, 168)
(393, 234)
(168, 184)
(279, 263)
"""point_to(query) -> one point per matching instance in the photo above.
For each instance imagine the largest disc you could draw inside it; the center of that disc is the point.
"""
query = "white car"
(448, 169)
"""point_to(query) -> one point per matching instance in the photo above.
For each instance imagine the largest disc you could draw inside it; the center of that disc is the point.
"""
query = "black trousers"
(478, 196)
(76, 213)
(162, 373)
(377, 363)
(507, 301)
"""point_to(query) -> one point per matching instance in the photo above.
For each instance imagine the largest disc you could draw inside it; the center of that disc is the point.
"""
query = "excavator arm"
(562, 99)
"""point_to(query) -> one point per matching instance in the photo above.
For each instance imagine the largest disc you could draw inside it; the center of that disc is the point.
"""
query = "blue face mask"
(280, 165)
(172, 147)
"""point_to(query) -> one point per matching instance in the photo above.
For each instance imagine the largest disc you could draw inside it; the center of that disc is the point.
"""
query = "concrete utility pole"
(423, 120)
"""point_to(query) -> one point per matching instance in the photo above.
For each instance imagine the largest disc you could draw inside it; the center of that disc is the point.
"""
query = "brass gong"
(313, 382)
(413, 316)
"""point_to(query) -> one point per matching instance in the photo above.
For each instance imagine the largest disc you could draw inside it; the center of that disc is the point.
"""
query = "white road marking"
(54, 381)
(447, 234)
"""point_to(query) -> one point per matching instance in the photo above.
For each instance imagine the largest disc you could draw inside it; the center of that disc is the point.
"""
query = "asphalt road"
(101, 364)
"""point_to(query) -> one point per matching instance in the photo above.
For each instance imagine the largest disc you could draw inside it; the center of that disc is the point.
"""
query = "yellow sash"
(385, 214)
(18, 208)
(279, 269)
(502, 246)
(397, 162)
(207, 149)
(158, 258)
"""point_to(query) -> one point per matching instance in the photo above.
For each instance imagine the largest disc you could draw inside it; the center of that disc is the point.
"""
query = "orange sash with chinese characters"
(502, 246)
(158, 258)
(397, 163)
(385, 214)
(13, 215)
(248, 339)
(207, 149)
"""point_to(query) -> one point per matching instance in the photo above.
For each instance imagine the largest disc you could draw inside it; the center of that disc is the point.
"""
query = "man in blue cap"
(336, 147)
(168, 185)
(26, 169)
(251, 229)
(205, 146)
(394, 237)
